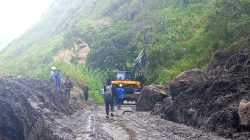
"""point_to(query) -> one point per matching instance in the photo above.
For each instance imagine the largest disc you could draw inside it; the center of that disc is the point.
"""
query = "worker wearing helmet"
(120, 95)
(52, 76)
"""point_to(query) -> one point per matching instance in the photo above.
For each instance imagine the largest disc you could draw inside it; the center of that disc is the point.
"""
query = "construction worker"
(58, 77)
(108, 99)
(85, 89)
(68, 85)
(113, 90)
(119, 96)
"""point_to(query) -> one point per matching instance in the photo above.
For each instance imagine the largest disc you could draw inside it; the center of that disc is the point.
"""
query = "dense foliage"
(177, 34)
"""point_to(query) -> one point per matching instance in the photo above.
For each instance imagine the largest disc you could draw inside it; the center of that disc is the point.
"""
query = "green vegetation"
(178, 35)
(81, 74)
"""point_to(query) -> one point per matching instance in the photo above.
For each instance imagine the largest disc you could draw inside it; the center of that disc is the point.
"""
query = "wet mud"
(26, 106)
(90, 123)
(31, 110)
(209, 100)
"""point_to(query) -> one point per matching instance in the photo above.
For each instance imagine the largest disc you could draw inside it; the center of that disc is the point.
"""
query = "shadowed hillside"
(178, 35)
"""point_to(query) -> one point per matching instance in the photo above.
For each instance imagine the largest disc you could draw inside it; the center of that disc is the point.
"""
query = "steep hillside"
(177, 35)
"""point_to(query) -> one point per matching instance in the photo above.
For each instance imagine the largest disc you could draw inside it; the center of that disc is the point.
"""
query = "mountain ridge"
(177, 35)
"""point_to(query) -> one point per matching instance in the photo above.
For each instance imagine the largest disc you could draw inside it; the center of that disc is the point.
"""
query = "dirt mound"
(185, 79)
(150, 95)
(212, 104)
(26, 106)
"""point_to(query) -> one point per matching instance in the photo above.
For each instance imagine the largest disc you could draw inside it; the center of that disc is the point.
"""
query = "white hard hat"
(108, 88)
(53, 68)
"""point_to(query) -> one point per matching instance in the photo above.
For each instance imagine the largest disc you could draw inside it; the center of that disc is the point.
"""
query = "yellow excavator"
(133, 79)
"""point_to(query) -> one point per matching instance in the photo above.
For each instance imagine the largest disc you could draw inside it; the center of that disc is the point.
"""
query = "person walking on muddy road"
(108, 99)
(58, 77)
(119, 96)
(68, 85)
(85, 89)
(113, 90)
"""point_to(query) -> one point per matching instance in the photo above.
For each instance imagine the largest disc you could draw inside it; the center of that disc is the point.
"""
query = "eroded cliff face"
(26, 106)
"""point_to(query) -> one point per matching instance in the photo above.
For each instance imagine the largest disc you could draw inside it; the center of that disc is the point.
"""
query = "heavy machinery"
(131, 80)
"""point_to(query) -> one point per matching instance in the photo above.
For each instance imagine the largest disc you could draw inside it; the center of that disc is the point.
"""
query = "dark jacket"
(85, 88)
(108, 96)
(68, 84)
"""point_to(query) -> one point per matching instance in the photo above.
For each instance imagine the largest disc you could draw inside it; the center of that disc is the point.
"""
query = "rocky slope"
(209, 99)
(26, 107)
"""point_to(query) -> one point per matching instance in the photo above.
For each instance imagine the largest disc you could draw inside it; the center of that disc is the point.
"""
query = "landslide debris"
(210, 99)
(150, 95)
(26, 108)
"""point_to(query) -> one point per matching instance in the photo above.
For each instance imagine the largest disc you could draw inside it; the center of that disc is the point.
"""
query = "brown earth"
(67, 54)
(211, 103)
(25, 105)
(150, 95)
(31, 110)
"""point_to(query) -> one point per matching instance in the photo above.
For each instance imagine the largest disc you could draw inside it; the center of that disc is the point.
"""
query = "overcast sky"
(16, 16)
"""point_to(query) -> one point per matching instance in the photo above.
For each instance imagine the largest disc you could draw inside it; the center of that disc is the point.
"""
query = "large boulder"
(184, 80)
(244, 112)
(150, 95)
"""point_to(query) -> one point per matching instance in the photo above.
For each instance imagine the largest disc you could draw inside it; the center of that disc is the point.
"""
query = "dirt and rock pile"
(150, 95)
(26, 107)
(209, 99)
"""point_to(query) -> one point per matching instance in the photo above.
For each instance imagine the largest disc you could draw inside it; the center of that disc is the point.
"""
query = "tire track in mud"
(109, 128)
(90, 123)
(142, 125)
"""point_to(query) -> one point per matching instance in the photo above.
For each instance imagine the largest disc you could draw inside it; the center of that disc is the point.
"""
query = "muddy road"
(30, 110)
(90, 123)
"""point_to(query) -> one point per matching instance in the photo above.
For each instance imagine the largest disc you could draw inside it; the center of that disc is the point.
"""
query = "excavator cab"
(123, 75)
(131, 80)
(127, 81)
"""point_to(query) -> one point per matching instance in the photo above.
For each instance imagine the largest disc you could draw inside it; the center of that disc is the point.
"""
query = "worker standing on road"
(58, 77)
(85, 89)
(108, 99)
(113, 90)
(52, 77)
(68, 85)
(120, 95)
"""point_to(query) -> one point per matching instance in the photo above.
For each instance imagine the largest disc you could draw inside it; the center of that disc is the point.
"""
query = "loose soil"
(90, 123)
(30, 109)
(209, 100)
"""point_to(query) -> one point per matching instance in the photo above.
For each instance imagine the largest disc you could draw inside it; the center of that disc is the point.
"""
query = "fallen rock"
(244, 112)
(211, 99)
(150, 95)
(185, 79)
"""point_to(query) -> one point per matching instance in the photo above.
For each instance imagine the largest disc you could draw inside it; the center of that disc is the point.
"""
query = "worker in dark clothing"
(108, 99)
(113, 90)
(68, 85)
(85, 89)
